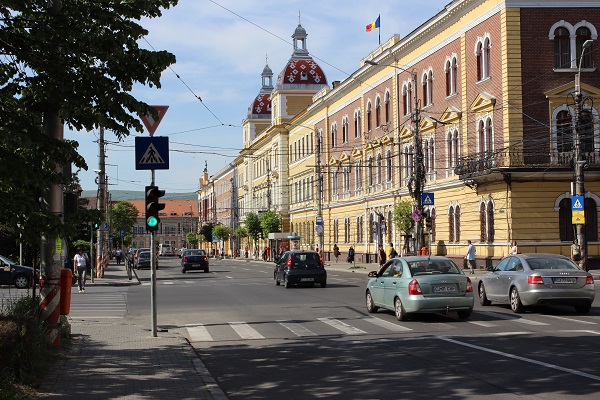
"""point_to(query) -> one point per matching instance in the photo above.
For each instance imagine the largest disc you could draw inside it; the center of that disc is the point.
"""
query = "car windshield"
(305, 259)
(195, 253)
(432, 266)
(550, 263)
(144, 254)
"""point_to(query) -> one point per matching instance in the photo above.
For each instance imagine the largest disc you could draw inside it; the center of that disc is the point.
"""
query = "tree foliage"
(70, 63)
(191, 240)
(270, 222)
(124, 217)
(206, 231)
(222, 232)
(402, 216)
(253, 226)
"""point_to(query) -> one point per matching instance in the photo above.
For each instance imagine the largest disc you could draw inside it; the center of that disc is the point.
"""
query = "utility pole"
(268, 185)
(419, 173)
(579, 161)
(101, 203)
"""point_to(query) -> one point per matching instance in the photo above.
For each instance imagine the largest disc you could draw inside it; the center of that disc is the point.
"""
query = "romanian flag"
(373, 25)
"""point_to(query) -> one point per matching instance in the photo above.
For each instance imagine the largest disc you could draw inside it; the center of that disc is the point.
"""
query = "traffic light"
(428, 222)
(153, 207)
(96, 226)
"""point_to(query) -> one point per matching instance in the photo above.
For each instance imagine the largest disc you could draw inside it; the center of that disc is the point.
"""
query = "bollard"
(66, 282)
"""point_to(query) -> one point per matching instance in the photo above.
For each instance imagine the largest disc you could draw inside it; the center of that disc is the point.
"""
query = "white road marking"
(578, 321)
(582, 331)
(342, 326)
(167, 282)
(512, 318)
(386, 324)
(482, 323)
(189, 282)
(245, 331)
(296, 328)
(524, 359)
(228, 277)
(199, 333)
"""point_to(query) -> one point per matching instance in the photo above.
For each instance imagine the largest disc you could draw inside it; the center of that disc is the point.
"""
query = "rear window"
(145, 254)
(305, 259)
(430, 267)
(550, 263)
(195, 253)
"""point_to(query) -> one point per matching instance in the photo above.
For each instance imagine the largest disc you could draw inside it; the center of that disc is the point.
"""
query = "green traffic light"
(152, 221)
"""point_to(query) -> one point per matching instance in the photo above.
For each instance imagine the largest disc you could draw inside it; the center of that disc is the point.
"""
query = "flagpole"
(379, 28)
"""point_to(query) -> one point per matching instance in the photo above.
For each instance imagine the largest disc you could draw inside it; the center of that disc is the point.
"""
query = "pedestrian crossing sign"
(427, 199)
(577, 203)
(151, 152)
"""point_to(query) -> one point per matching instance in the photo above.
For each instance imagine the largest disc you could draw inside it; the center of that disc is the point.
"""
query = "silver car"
(537, 279)
(424, 284)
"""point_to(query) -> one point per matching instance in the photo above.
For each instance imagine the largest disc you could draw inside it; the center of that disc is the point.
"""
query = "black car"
(13, 274)
(194, 259)
(300, 267)
(143, 260)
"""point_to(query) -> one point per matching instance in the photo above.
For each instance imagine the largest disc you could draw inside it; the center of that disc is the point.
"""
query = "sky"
(221, 48)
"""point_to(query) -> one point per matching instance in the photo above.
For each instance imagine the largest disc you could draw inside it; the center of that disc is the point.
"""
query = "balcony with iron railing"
(484, 163)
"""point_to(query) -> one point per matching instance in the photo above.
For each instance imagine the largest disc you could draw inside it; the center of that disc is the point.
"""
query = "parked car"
(143, 260)
(537, 279)
(13, 274)
(297, 267)
(180, 251)
(194, 259)
(420, 284)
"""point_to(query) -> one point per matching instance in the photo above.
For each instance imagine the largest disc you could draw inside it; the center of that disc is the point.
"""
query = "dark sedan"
(13, 274)
(194, 259)
(143, 260)
(537, 279)
(300, 267)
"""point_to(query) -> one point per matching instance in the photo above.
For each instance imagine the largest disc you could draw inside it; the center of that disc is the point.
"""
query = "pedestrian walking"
(393, 252)
(80, 261)
(350, 255)
(382, 257)
(514, 249)
(118, 255)
(470, 257)
(336, 251)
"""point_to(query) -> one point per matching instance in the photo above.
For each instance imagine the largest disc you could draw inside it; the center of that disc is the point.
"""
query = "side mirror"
(372, 274)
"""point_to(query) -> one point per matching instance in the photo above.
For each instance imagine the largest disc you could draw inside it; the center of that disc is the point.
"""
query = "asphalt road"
(263, 341)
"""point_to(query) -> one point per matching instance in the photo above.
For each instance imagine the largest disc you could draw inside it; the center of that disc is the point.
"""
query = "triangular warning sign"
(151, 156)
(150, 123)
(427, 201)
(577, 205)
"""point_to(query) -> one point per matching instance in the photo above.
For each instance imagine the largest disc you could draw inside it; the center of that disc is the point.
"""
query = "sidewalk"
(117, 360)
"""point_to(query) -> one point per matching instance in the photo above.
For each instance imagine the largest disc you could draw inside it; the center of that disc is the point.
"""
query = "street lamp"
(579, 187)
(417, 181)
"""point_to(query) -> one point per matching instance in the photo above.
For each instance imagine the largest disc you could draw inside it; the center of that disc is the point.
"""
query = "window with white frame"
(427, 82)
(388, 111)
(370, 175)
(486, 220)
(452, 149)
(359, 229)
(406, 98)
(358, 175)
(334, 183)
(388, 166)
(454, 223)
(408, 161)
(451, 70)
(568, 43)
(334, 134)
(378, 111)
(347, 228)
(485, 133)
(379, 168)
(482, 55)
(357, 123)
(369, 116)
(345, 129)
(346, 179)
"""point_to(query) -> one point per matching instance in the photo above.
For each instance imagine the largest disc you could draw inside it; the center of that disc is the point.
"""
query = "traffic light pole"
(153, 276)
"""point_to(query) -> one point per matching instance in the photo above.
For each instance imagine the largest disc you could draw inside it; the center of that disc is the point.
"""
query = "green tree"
(222, 232)
(206, 231)
(191, 240)
(402, 218)
(124, 217)
(270, 222)
(242, 233)
(73, 63)
(253, 226)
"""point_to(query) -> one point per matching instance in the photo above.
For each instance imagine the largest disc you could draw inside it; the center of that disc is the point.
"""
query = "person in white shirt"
(470, 257)
(80, 262)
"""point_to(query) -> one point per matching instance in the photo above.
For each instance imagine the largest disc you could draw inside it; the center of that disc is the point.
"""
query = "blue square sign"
(577, 203)
(151, 152)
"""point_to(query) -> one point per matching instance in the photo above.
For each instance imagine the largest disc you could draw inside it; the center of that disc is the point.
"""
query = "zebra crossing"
(365, 325)
(99, 303)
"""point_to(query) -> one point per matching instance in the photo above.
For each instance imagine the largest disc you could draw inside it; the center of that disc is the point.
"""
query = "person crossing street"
(80, 261)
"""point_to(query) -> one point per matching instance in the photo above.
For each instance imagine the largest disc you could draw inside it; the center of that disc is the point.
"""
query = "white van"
(165, 250)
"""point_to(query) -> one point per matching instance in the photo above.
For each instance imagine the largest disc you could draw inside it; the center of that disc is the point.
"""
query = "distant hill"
(123, 195)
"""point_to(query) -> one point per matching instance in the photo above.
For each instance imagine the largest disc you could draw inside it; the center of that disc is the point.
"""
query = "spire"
(267, 76)
(299, 38)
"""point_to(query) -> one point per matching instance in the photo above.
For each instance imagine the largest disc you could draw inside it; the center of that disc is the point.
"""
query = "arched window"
(334, 183)
(358, 175)
(388, 167)
(388, 226)
(388, 113)
(448, 71)
(562, 48)
(583, 34)
(357, 123)
(486, 221)
(345, 130)
(454, 74)
(565, 220)
(333, 135)
(359, 229)
(407, 97)
(347, 230)
(379, 169)
(369, 117)
(370, 234)
(370, 177)
(482, 55)
(378, 111)
(451, 227)
(336, 231)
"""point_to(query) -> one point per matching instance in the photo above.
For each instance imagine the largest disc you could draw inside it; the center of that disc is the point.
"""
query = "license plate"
(444, 289)
(307, 279)
(195, 265)
(564, 280)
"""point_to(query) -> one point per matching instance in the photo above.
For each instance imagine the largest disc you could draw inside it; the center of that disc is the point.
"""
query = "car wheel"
(583, 308)
(183, 270)
(464, 314)
(206, 270)
(277, 281)
(371, 307)
(323, 284)
(399, 310)
(286, 283)
(483, 300)
(515, 301)
(21, 281)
